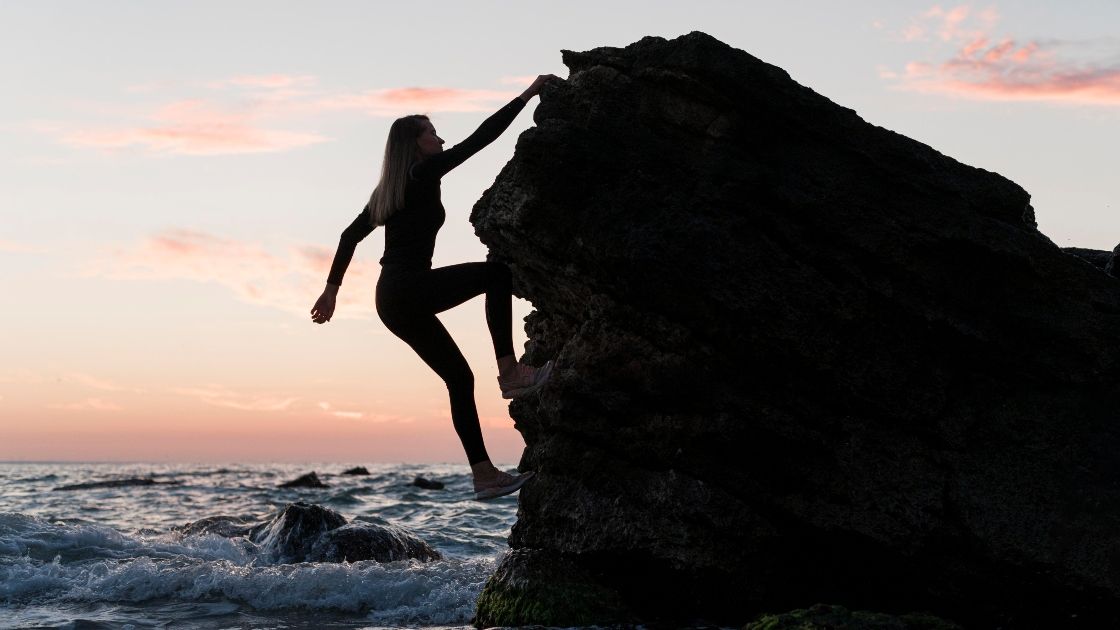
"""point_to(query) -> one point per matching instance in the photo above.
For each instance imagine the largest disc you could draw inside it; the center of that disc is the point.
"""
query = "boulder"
(799, 358)
(366, 541)
(309, 480)
(303, 532)
(357, 470)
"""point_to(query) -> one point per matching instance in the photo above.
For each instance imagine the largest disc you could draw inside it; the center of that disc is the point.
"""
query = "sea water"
(109, 557)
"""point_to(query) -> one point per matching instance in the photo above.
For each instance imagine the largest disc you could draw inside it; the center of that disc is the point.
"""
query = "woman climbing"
(410, 293)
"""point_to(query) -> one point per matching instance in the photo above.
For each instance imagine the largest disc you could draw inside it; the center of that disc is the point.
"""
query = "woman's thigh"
(448, 287)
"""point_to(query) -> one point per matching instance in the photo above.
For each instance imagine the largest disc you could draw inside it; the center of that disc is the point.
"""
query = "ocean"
(108, 557)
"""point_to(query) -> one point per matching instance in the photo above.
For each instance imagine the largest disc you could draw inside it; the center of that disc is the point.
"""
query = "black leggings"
(407, 303)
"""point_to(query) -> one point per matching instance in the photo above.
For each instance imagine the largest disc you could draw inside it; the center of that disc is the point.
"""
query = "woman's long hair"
(401, 152)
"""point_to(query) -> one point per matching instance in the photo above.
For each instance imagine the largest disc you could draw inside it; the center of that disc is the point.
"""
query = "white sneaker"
(504, 484)
(526, 379)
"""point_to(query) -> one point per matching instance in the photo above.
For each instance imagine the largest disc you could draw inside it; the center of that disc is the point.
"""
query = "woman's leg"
(427, 336)
(450, 286)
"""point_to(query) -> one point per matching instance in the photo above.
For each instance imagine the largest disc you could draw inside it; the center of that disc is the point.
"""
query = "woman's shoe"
(504, 484)
(526, 379)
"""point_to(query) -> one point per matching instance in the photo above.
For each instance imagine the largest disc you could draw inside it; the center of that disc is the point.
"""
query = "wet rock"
(118, 483)
(293, 532)
(310, 480)
(365, 541)
(1113, 267)
(357, 470)
(799, 358)
(303, 532)
(427, 484)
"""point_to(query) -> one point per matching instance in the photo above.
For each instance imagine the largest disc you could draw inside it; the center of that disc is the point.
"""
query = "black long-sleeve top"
(410, 232)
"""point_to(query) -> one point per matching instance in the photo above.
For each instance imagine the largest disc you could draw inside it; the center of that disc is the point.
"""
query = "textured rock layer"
(800, 358)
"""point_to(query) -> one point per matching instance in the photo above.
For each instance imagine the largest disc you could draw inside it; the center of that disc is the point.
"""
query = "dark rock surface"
(800, 358)
(303, 532)
(825, 617)
(365, 541)
(1095, 257)
(310, 480)
(357, 470)
(118, 483)
(427, 484)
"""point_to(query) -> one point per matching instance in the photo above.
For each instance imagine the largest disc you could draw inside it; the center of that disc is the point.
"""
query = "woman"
(409, 292)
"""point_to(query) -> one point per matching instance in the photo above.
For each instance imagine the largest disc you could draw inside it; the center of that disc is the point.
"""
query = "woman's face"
(429, 142)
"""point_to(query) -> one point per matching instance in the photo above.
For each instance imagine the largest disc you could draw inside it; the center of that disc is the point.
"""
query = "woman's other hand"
(324, 306)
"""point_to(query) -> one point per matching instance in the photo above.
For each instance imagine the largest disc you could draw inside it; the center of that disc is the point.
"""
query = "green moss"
(557, 604)
(825, 617)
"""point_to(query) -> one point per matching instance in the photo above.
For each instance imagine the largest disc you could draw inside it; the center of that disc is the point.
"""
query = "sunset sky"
(175, 177)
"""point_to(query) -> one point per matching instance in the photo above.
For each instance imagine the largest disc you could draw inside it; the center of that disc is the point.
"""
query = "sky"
(174, 177)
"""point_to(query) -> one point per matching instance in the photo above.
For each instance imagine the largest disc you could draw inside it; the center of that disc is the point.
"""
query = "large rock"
(800, 358)
(303, 532)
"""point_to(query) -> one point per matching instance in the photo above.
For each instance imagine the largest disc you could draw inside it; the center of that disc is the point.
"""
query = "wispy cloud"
(195, 127)
(289, 280)
(89, 404)
(975, 62)
(257, 113)
(221, 396)
(94, 382)
(339, 413)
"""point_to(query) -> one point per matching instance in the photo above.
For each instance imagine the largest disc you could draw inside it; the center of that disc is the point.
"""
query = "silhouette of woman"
(410, 293)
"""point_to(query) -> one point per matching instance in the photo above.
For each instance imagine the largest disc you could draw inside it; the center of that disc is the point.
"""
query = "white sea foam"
(25, 535)
(108, 566)
(440, 592)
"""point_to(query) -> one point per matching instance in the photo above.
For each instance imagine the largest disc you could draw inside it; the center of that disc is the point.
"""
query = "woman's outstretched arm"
(438, 165)
(347, 243)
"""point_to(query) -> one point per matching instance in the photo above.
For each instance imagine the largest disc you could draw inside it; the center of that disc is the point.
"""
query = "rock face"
(800, 358)
(1099, 258)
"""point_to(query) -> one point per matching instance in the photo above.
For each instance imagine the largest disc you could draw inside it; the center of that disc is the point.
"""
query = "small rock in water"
(427, 484)
(357, 470)
(310, 480)
(115, 483)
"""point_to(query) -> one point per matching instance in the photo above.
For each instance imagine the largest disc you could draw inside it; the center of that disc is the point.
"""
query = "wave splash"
(42, 561)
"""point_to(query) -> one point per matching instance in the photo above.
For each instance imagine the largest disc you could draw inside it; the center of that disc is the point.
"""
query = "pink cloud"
(288, 278)
(251, 113)
(397, 102)
(195, 127)
(1008, 69)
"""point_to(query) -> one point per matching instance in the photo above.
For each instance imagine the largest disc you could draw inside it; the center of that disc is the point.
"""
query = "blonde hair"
(401, 152)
